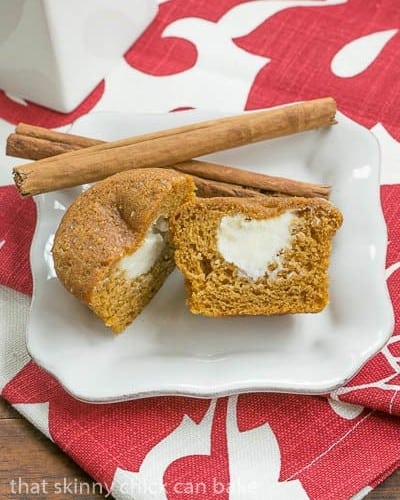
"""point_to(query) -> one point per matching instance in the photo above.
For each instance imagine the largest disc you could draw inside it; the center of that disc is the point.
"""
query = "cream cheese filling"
(252, 245)
(143, 259)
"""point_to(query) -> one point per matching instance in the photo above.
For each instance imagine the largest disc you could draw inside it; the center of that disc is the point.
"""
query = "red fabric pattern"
(17, 223)
(302, 43)
(86, 431)
(182, 54)
(313, 440)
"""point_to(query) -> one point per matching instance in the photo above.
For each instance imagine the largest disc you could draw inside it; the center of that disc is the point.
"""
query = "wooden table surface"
(25, 453)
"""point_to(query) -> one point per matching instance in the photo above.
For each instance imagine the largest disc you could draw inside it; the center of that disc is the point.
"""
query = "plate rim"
(199, 391)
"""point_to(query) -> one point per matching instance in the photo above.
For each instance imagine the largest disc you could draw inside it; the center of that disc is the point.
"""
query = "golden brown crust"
(268, 206)
(217, 288)
(110, 221)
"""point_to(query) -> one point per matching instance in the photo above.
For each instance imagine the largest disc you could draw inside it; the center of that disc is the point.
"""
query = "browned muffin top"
(109, 221)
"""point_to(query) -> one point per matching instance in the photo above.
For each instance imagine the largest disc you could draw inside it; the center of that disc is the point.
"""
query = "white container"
(55, 52)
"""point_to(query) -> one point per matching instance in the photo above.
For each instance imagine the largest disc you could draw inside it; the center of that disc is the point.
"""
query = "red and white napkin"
(231, 55)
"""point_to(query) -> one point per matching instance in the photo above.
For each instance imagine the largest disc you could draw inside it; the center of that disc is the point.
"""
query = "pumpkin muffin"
(112, 249)
(251, 256)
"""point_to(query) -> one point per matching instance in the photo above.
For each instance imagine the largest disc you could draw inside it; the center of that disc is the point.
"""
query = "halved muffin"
(112, 249)
(251, 256)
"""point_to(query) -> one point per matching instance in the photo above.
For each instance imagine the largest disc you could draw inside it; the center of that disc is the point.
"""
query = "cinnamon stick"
(211, 179)
(170, 147)
(206, 188)
(35, 148)
(34, 143)
(252, 179)
(75, 141)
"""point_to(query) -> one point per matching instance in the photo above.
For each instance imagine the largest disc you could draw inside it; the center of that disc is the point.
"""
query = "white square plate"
(167, 350)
